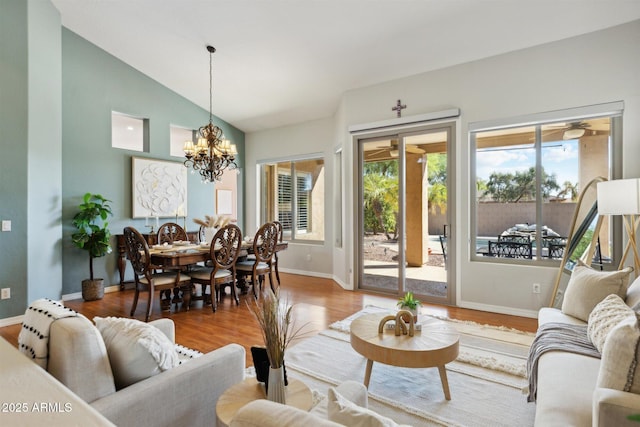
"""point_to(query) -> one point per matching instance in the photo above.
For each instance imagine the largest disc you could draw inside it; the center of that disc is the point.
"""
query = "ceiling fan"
(392, 149)
(572, 130)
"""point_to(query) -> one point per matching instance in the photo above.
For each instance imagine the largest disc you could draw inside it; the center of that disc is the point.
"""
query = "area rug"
(486, 381)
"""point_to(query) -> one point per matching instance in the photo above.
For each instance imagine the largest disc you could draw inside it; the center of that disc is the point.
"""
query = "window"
(293, 192)
(129, 133)
(527, 179)
(178, 135)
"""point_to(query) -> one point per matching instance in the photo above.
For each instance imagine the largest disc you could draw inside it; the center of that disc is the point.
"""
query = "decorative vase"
(209, 233)
(276, 390)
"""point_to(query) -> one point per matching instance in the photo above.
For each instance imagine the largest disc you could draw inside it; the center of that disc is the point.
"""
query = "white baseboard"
(78, 295)
(499, 309)
(8, 321)
(342, 284)
(307, 273)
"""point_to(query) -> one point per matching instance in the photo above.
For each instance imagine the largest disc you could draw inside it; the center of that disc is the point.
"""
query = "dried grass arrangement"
(274, 319)
(213, 221)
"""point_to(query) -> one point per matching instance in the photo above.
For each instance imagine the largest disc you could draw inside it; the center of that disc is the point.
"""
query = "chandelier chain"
(210, 87)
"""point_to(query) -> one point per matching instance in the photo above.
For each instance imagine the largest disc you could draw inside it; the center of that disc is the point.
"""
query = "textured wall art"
(159, 188)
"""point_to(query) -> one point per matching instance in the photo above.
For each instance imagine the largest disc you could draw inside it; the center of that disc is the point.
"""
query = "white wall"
(312, 137)
(591, 69)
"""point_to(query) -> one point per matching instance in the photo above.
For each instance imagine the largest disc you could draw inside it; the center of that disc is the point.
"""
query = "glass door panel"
(405, 235)
(379, 218)
(426, 215)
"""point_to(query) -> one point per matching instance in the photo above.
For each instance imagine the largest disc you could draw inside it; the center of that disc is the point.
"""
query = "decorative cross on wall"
(398, 108)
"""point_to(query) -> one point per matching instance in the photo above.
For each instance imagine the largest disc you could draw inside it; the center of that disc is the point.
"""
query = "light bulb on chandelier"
(213, 153)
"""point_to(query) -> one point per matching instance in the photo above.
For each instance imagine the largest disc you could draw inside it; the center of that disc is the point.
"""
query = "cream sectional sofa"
(185, 395)
(568, 391)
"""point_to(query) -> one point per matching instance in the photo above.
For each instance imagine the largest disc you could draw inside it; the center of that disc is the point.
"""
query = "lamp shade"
(619, 197)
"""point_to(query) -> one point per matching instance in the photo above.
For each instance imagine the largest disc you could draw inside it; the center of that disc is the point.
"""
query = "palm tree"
(570, 189)
(437, 177)
(381, 195)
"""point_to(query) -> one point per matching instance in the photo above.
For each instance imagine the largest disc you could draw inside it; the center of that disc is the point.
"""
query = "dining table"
(182, 255)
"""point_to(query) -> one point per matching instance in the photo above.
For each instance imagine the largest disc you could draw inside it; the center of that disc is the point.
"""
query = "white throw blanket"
(33, 340)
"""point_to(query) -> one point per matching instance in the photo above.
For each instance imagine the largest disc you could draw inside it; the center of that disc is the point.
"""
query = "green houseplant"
(92, 236)
(410, 303)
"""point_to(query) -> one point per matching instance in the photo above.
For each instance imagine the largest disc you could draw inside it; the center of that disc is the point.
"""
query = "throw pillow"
(618, 367)
(605, 316)
(136, 350)
(587, 287)
(343, 411)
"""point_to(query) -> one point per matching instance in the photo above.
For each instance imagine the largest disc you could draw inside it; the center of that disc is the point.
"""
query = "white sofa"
(31, 397)
(567, 391)
(183, 395)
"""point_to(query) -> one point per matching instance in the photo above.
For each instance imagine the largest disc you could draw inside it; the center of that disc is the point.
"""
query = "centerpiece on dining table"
(278, 330)
(211, 225)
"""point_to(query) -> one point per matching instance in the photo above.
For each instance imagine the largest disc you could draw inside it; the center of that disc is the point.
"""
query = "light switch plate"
(6, 225)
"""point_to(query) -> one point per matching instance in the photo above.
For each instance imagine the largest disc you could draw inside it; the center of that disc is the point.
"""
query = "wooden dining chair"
(264, 243)
(169, 232)
(144, 277)
(280, 233)
(224, 250)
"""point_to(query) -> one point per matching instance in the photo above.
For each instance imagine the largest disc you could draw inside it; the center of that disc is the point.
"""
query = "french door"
(404, 236)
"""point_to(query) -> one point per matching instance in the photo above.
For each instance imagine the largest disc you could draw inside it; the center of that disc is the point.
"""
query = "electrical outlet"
(5, 293)
(536, 288)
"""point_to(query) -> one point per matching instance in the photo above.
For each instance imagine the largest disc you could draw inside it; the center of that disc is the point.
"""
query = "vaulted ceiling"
(280, 62)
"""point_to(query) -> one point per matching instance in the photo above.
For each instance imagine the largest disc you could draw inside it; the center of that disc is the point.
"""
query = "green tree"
(437, 177)
(569, 189)
(518, 186)
(380, 182)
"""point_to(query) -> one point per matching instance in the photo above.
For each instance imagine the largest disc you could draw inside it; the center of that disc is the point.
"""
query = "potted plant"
(410, 303)
(93, 236)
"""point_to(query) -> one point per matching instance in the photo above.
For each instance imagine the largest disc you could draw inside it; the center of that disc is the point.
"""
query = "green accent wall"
(13, 162)
(57, 92)
(94, 83)
(30, 136)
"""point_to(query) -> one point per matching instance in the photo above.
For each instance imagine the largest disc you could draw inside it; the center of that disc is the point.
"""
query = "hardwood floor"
(317, 303)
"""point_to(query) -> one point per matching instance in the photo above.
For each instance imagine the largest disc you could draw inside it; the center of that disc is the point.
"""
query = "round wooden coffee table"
(298, 395)
(434, 346)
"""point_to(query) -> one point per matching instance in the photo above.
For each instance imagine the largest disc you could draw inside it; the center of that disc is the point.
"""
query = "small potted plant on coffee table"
(410, 303)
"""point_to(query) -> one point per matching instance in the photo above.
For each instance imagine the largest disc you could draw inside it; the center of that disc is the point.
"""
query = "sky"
(558, 157)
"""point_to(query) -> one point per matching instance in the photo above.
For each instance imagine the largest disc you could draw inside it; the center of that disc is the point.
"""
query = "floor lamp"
(622, 197)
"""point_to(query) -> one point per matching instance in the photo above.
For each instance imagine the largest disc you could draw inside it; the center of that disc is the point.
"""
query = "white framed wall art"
(159, 188)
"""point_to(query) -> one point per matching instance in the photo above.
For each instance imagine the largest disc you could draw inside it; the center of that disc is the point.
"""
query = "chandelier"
(213, 153)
